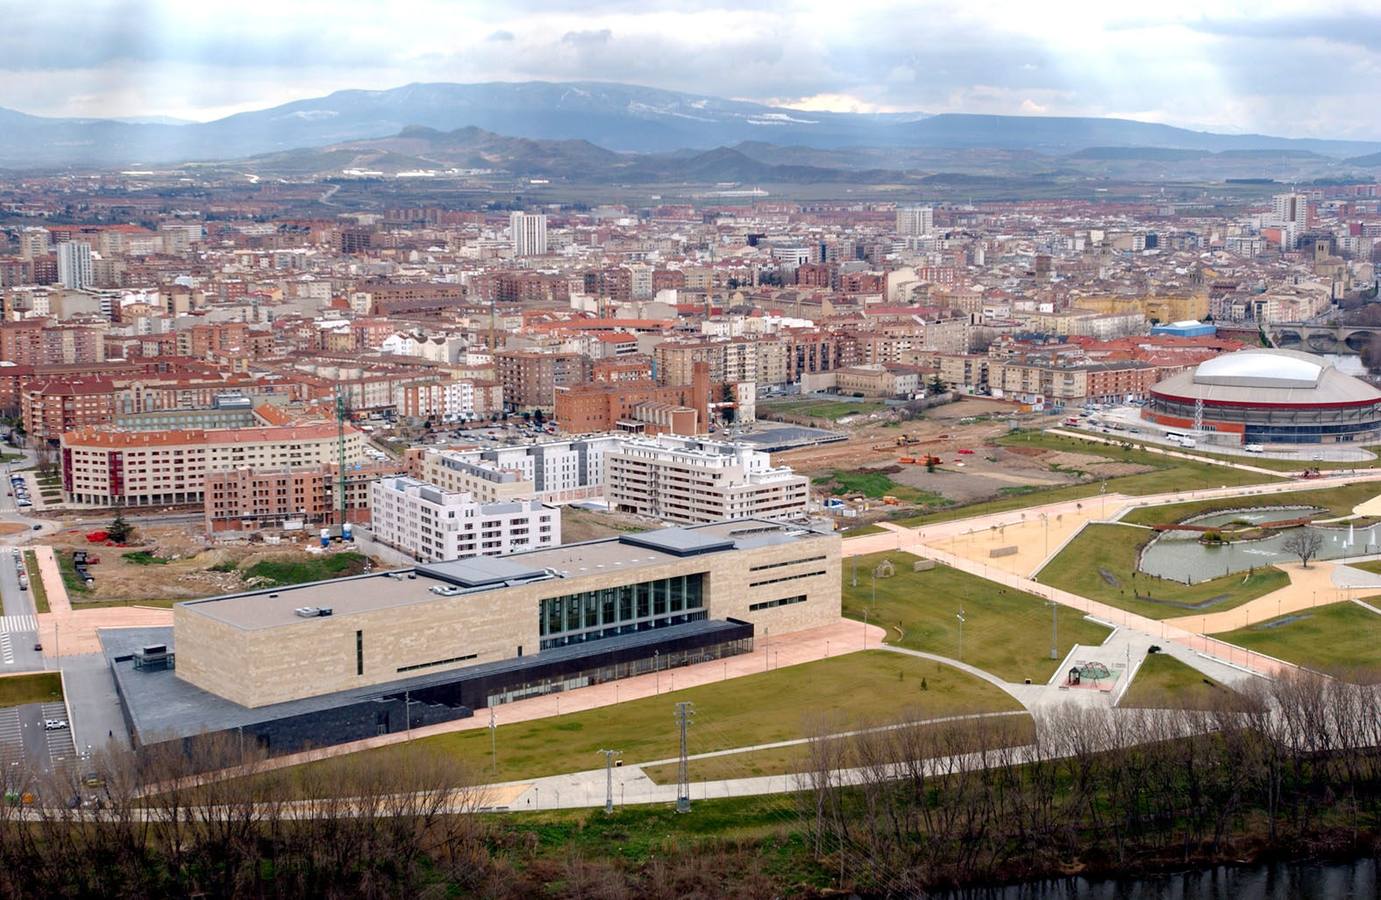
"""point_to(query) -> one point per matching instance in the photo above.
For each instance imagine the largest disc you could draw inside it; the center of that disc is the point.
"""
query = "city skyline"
(1230, 68)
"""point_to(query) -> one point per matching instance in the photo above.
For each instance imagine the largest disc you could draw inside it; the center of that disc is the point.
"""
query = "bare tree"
(1304, 543)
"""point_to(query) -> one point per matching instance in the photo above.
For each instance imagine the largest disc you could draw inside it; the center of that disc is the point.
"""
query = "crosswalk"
(18, 624)
(6, 649)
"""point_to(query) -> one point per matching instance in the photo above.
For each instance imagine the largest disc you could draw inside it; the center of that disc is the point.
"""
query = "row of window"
(438, 662)
(789, 562)
(772, 604)
(628, 604)
(785, 578)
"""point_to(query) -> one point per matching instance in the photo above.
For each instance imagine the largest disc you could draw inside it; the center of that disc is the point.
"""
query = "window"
(786, 578)
(359, 653)
(771, 604)
(789, 562)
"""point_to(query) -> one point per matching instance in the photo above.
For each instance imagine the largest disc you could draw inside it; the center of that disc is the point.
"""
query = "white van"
(1254, 448)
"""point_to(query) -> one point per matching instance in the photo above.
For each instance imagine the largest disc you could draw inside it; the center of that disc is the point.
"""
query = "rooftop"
(275, 607)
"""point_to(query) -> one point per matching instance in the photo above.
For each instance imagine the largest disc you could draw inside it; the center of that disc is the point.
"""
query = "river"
(1276, 881)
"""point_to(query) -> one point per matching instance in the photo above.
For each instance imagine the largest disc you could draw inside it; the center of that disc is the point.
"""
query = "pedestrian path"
(6, 649)
(19, 624)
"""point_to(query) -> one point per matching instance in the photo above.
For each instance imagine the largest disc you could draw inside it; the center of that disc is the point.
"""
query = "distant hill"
(619, 117)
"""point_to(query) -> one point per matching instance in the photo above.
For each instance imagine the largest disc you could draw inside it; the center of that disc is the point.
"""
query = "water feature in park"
(1180, 556)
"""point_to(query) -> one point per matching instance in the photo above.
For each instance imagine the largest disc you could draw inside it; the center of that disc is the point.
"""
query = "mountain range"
(611, 118)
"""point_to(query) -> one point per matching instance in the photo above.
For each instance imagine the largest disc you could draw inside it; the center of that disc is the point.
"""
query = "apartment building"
(530, 378)
(248, 499)
(450, 401)
(552, 471)
(433, 525)
(109, 467)
(691, 481)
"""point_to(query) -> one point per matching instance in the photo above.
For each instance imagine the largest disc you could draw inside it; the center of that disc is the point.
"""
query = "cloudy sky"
(1292, 69)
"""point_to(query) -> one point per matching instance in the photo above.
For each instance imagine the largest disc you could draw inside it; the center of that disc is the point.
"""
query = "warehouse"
(1268, 397)
(338, 660)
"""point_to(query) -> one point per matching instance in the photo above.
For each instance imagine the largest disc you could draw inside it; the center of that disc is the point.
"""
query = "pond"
(1276, 881)
(1178, 555)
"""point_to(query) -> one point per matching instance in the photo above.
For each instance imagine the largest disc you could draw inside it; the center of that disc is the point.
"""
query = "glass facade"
(591, 615)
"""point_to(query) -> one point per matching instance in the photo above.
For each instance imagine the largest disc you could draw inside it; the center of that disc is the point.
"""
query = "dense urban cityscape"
(547, 489)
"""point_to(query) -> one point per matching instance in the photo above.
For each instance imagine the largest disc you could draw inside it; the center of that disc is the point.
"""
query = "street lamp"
(960, 617)
(657, 667)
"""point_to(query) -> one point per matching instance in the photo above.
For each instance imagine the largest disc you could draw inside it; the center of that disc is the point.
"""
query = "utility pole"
(960, 617)
(855, 565)
(1054, 629)
(493, 743)
(685, 711)
(340, 453)
(609, 756)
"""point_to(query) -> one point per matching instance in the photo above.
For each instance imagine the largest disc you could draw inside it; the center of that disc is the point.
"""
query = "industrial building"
(1268, 396)
(341, 660)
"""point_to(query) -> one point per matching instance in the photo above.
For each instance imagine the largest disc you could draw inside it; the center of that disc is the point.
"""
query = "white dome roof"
(1266, 368)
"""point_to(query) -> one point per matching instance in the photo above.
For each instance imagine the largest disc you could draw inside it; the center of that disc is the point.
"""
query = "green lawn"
(876, 484)
(1100, 563)
(822, 409)
(857, 689)
(37, 687)
(74, 584)
(319, 568)
(1370, 565)
(1164, 682)
(1005, 731)
(1006, 632)
(1338, 501)
(1340, 637)
(145, 558)
(36, 582)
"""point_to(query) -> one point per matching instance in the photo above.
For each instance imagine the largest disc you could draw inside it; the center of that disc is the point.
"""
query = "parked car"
(54, 724)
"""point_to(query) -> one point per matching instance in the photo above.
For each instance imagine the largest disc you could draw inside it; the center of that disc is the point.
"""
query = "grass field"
(38, 687)
(1338, 501)
(1100, 563)
(875, 484)
(781, 705)
(1006, 632)
(74, 584)
(833, 410)
(36, 583)
(1341, 637)
(328, 565)
(1006, 731)
(860, 530)
(1164, 682)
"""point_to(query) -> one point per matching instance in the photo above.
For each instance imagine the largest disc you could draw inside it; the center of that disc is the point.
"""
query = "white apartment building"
(113, 467)
(75, 267)
(561, 471)
(691, 481)
(433, 525)
(529, 233)
(915, 220)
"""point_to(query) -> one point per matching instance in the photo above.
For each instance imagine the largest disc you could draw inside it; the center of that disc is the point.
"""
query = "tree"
(120, 530)
(538, 417)
(1304, 543)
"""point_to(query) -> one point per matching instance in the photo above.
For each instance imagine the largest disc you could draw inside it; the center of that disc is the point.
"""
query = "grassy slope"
(1006, 632)
(36, 583)
(1340, 637)
(1339, 501)
(1164, 682)
(1113, 549)
(774, 706)
(330, 565)
(821, 409)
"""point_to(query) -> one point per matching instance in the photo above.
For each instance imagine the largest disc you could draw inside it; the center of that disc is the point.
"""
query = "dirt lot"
(589, 525)
(190, 570)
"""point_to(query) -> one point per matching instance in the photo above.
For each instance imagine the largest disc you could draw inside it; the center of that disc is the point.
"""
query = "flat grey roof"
(163, 706)
(400, 588)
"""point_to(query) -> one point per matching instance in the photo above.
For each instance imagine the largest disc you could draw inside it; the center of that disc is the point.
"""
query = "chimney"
(700, 394)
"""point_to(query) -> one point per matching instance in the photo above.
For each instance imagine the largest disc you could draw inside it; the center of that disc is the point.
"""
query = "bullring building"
(1269, 397)
(345, 659)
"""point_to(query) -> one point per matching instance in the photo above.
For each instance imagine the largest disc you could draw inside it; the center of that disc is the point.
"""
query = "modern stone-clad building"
(340, 660)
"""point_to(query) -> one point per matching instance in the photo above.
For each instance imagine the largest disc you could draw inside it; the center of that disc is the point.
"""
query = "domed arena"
(1269, 397)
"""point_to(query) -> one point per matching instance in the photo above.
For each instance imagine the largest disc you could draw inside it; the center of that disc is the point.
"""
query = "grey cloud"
(1362, 30)
(500, 35)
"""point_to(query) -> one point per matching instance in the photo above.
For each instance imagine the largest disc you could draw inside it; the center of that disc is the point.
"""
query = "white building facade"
(433, 525)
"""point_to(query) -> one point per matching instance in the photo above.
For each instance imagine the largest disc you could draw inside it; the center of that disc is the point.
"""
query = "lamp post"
(960, 617)
(657, 667)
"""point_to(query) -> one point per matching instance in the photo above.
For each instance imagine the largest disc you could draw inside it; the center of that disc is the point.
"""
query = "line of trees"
(1290, 766)
(1281, 767)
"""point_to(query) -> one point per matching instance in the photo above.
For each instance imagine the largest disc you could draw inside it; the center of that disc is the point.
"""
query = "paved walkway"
(1177, 454)
(1307, 588)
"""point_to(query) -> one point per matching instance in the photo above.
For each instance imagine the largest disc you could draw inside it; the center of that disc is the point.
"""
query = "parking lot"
(24, 739)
